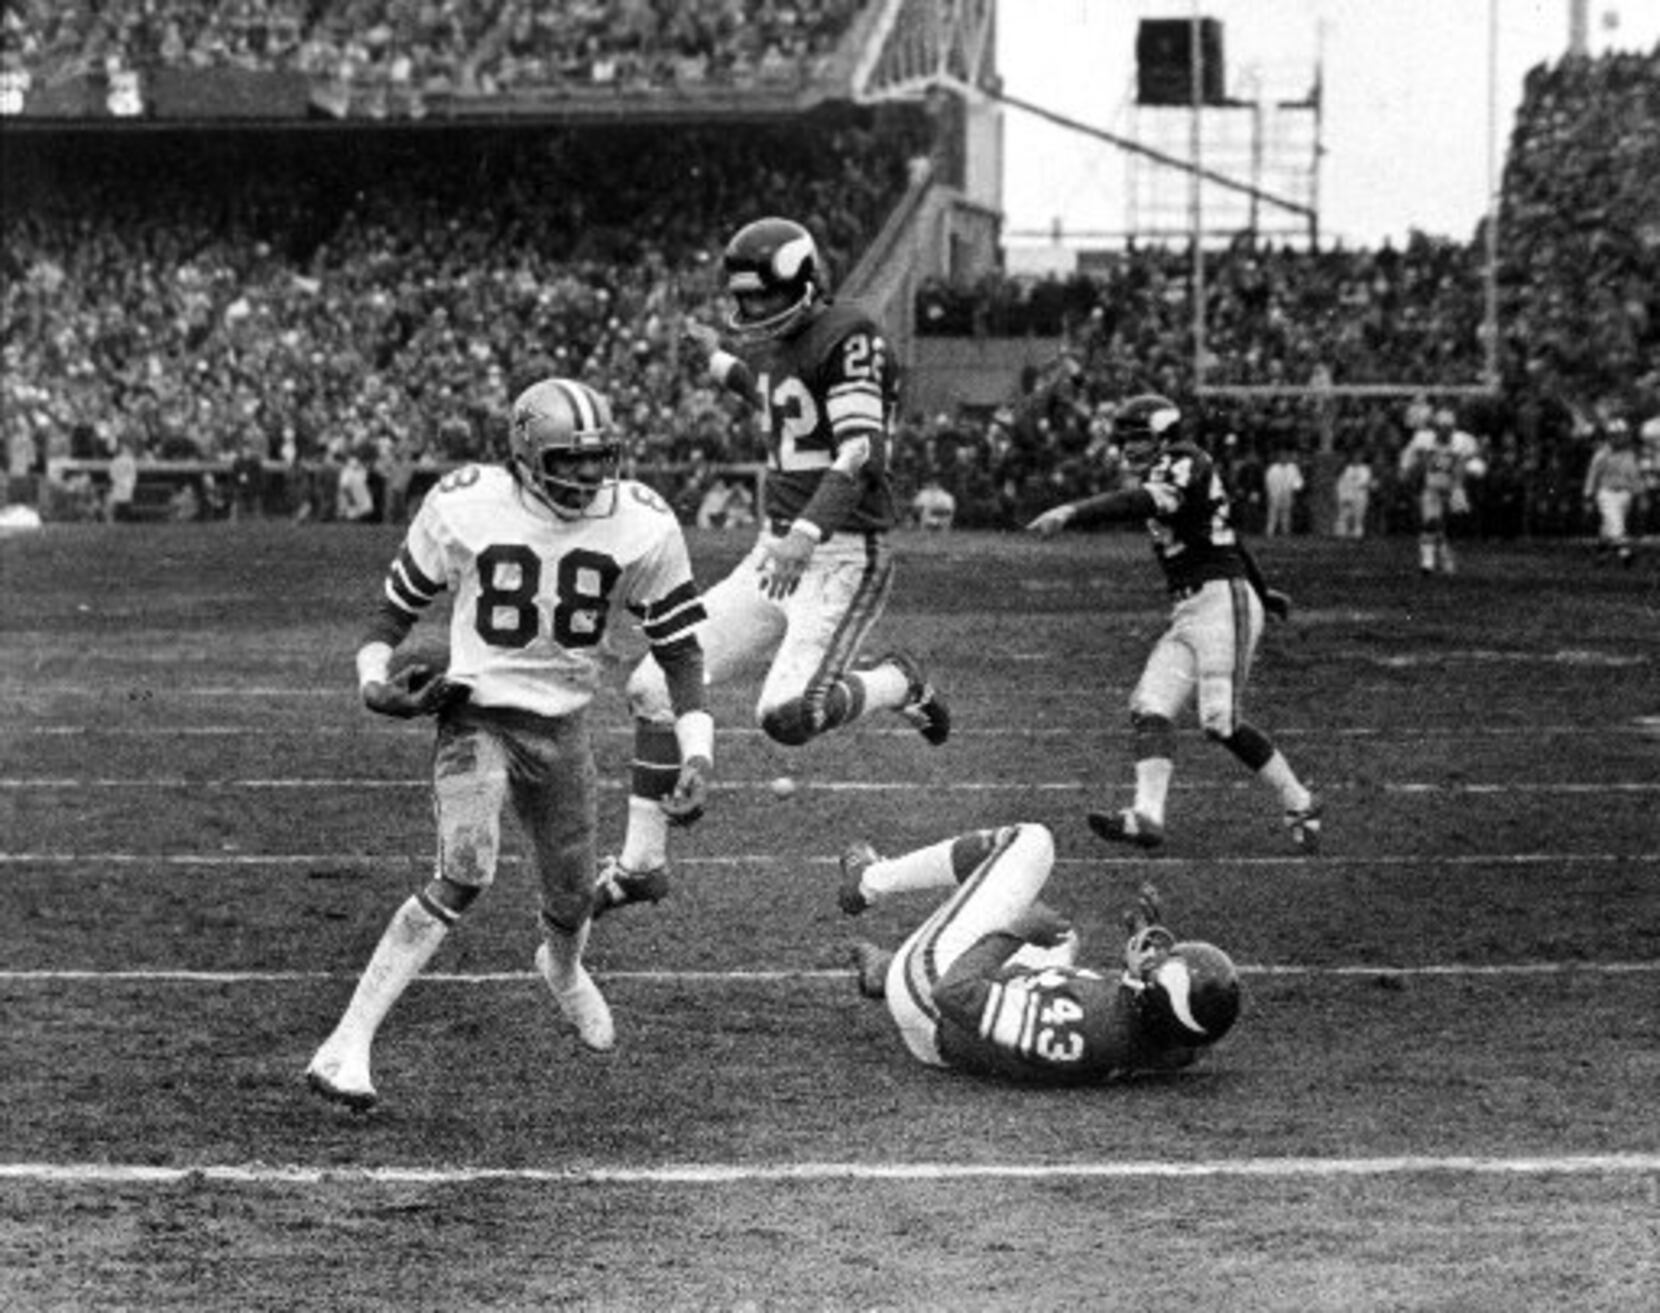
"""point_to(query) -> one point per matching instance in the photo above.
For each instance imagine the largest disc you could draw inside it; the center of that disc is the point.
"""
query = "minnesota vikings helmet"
(1193, 990)
(1143, 426)
(775, 277)
(564, 449)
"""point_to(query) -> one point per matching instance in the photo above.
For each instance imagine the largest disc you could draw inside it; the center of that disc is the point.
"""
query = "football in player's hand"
(416, 665)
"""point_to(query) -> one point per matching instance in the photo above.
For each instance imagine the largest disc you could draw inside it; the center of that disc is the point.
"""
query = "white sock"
(925, 868)
(646, 842)
(406, 946)
(1279, 776)
(565, 954)
(886, 686)
(1152, 785)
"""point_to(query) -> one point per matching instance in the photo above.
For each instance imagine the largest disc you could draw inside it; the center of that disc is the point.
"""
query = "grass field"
(1442, 1094)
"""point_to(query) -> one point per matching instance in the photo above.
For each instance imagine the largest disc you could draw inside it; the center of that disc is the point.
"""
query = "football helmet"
(564, 449)
(1193, 989)
(1143, 426)
(774, 276)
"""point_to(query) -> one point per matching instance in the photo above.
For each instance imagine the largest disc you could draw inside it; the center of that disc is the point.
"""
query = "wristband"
(374, 664)
(807, 529)
(721, 363)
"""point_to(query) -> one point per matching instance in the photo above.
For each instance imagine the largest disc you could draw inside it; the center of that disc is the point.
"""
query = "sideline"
(738, 1173)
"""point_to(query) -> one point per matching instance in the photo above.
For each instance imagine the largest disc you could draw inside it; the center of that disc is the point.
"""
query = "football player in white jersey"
(539, 556)
(823, 381)
(1438, 463)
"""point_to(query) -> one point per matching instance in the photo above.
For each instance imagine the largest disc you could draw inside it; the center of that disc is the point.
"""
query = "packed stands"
(305, 292)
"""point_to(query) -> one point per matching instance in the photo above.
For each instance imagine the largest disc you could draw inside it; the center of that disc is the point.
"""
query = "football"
(433, 655)
(783, 787)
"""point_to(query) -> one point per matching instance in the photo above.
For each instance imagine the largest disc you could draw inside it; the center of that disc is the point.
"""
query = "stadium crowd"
(304, 299)
(434, 46)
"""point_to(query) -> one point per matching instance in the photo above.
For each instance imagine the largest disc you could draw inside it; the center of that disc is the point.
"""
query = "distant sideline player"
(1613, 485)
(1219, 600)
(540, 557)
(989, 983)
(1438, 462)
(820, 376)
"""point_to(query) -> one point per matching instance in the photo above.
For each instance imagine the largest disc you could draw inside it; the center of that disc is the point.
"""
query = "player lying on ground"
(989, 983)
(539, 556)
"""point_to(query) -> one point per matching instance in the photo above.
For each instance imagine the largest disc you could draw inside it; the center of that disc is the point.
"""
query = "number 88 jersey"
(535, 595)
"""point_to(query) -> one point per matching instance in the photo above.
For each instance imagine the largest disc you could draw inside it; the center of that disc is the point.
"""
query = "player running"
(989, 983)
(799, 607)
(540, 557)
(1220, 599)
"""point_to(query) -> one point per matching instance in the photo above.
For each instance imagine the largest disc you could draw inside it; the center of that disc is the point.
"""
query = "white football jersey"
(534, 594)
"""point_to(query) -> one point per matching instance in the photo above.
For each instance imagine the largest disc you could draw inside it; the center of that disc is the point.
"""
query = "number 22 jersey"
(534, 593)
(833, 380)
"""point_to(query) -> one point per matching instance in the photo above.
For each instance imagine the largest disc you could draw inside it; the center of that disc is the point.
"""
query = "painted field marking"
(715, 1174)
(1450, 970)
(16, 783)
(1641, 726)
(334, 863)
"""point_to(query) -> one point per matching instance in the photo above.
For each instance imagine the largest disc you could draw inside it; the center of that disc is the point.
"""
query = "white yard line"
(716, 1174)
(68, 783)
(1643, 726)
(333, 863)
(835, 977)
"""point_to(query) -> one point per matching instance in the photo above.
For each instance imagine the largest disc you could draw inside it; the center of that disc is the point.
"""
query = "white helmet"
(564, 448)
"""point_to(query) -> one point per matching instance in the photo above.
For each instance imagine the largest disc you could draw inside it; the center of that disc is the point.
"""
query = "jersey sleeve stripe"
(415, 575)
(866, 405)
(660, 629)
(399, 596)
(672, 600)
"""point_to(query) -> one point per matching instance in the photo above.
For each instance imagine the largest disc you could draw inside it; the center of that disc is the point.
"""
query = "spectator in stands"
(933, 507)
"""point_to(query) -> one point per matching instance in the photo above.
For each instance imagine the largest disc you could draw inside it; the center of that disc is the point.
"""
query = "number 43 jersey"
(1054, 1025)
(535, 594)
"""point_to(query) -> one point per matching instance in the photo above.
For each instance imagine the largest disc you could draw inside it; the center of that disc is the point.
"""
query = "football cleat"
(854, 859)
(870, 967)
(1126, 826)
(1304, 825)
(581, 1004)
(343, 1079)
(617, 886)
(924, 708)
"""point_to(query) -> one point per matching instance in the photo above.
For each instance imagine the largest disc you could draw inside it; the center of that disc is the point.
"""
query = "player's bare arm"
(694, 729)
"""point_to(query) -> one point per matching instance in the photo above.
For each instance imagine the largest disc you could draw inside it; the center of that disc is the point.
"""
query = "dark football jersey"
(1057, 1025)
(1192, 524)
(831, 381)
